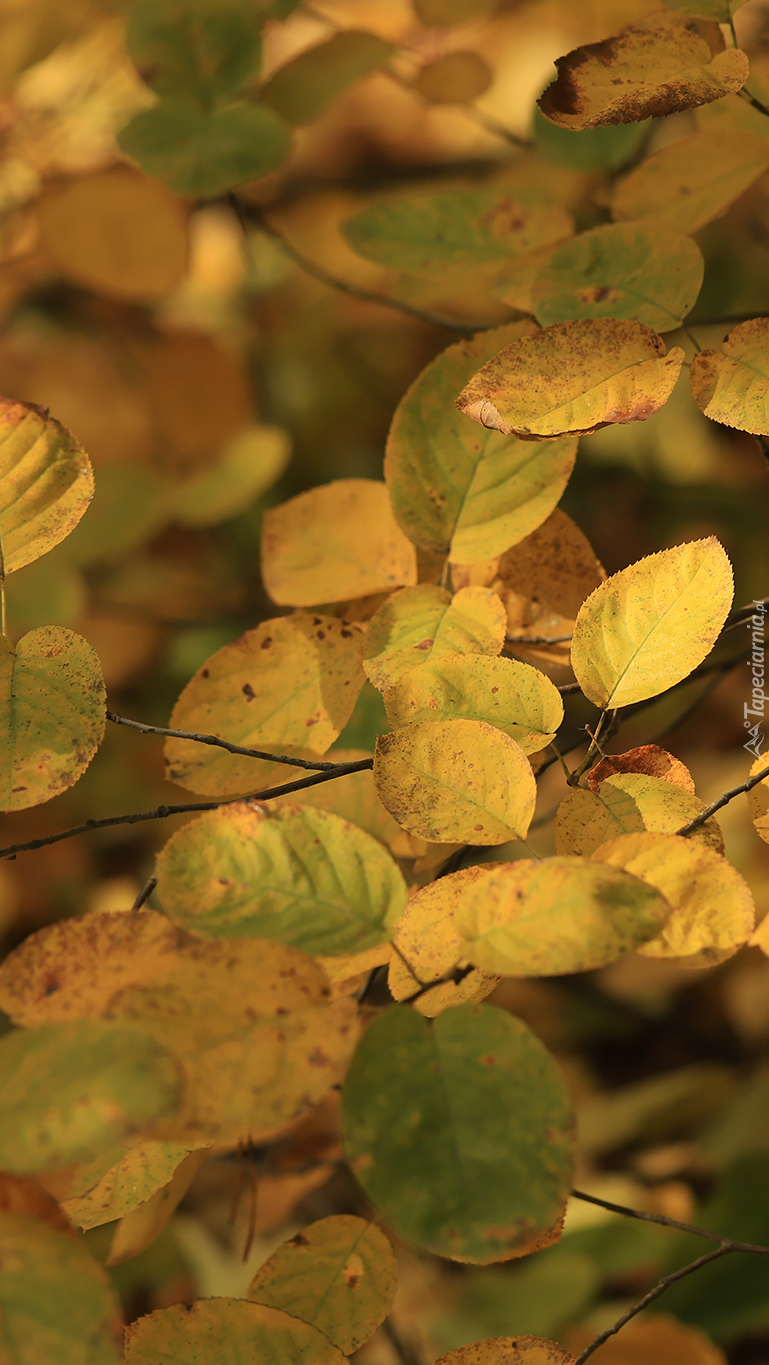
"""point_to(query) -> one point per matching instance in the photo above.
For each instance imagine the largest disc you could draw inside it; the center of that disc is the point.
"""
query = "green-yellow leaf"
(56, 1302)
(713, 912)
(69, 1091)
(594, 149)
(688, 183)
(641, 73)
(140, 1227)
(629, 803)
(307, 85)
(512, 696)
(621, 270)
(648, 626)
(52, 715)
(199, 152)
(547, 918)
(250, 464)
(354, 799)
(204, 49)
(428, 947)
(46, 483)
(290, 873)
(456, 781)
(459, 1129)
(510, 1351)
(338, 1274)
(291, 683)
(424, 624)
(573, 377)
(731, 385)
(333, 543)
(226, 1332)
(458, 489)
(144, 1170)
(758, 799)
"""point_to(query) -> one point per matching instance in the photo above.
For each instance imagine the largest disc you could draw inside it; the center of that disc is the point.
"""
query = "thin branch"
(537, 639)
(723, 800)
(665, 1222)
(220, 744)
(145, 893)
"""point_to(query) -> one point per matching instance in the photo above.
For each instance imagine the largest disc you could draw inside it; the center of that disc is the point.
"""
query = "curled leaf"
(731, 385)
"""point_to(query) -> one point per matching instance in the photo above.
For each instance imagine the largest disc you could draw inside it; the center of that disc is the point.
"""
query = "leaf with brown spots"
(509, 1351)
(629, 803)
(52, 714)
(649, 759)
(427, 946)
(731, 385)
(46, 483)
(423, 624)
(144, 1169)
(225, 1331)
(575, 377)
(338, 1274)
(658, 1338)
(641, 73)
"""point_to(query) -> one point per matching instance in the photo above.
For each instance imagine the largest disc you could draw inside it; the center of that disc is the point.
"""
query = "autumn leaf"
(46, 483)
(203, 49)
(510, 1351)
(428, 946)
(224, 1331)
(303, 88)
(647, 758)
(133, 1180)
(686, 184)
(140, 1226)
(421, 625)
(758, 799)
(731, 385)
(629, 803)
(454, 78)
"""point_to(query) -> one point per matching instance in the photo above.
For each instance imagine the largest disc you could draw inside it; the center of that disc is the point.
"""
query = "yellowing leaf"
(686, 184)
(460, 489)
(224, 1331)
(658, 1337)
(139, 1228)
(46, 483)
(454, 78)
(292, 874)
(250, 464)
(455, 781)
(510, 1351)
(620, 270)
(52, 715)
(732, 385)
(338, 1274)
(201, 50)
(118, 232)
(573, 377)
(649, 759)
(421, 625)
(335, 542)
(354, 799)
(512, 696)
(458, 1129)
(544, 919)
(713, 913)
(427, 946)
(758, 800)
(648, 626)
(145, 1169)
(307, 85)
(290, 683)
(720, 12)
(629, 803)
(641, 73)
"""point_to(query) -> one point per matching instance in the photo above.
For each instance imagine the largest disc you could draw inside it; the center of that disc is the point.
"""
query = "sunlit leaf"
(46, 483)
(648, 626)
(225, 1331)
(629, 803)
(460, 489)
(197, 152)
(758, 800)
(455, 781)
(713, 913)
(423, 624)
(454, 78)
(250, 464)
(458, 1129)
(143, 1224)
(620, 270)
(52, 714)
(641, 73)
(510, 1351)
(731, 385)
(292, 874)
(573, 377)
(333, 543)
(200, 48)
(512, 696)
(307, 85)
(145, 1169)
(687, 183)
(428, 947)
(338, 1274)
(649, 759)
(292, 681)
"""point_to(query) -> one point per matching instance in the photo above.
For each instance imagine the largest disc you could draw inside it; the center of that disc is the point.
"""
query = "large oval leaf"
(510, 1351)
(427, 946)
(459, 1130)
(688, 183)
(198, 152)
(420, 625)
(205, 49)
(46, 483)
(731, 385)
(307, 85)
(225, 1331)
(629, 803)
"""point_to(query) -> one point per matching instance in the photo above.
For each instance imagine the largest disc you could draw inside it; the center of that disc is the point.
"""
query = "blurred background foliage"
(209, 376)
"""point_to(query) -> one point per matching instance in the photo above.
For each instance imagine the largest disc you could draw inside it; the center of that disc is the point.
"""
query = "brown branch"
(220, 744)
(145, 893)
(723, 800)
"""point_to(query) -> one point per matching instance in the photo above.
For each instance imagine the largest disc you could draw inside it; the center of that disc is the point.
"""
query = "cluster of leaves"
(144, 1041)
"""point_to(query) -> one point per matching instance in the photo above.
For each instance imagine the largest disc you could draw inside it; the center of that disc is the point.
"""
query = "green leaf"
(621, 270)
(56, 1303)
(52, 715)
(70, 1091)
(419, 625)
(46, 483)
(462, 490)
(512, 696)
(225, 1331)
(459, 1130)
(303, 89)
(293, 874)
(201, 153)
(339, 1274)
(592, 149)
(206, 49)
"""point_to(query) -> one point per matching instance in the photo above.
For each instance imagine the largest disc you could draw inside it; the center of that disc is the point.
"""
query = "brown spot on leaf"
(266, 643)
(248, 691)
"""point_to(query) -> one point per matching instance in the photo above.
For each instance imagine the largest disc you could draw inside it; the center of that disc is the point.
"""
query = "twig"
(537, 639)
(145, 893)
(220, 744)
(723, 800)
(665, 1222)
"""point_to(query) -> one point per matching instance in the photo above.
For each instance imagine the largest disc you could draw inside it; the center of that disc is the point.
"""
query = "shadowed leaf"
(454, 78)
(197, 152)
(225, 1331)
(686, 184)
(629, 803)
(204, 49)
(303, 89)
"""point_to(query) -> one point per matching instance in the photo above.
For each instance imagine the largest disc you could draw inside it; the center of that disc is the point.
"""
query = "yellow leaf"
(758, 800)
(656, 1338)
(355, 799)
(455, 781)
(648, 626)
(289, 684)
(138, 1228)
(546, 918)
(455, 78)
(46, 483)
(629, 803)
(688, 183)
(250, 464)
(52, 715)
(509, 1351)
(427, 946)
(202, 1331)
(145, 1169)
(649, 759)
(713, 913)
(512, 696)
(421, 625)
(641, 73)
(337, 541)
(573, 377)
(732, 385)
